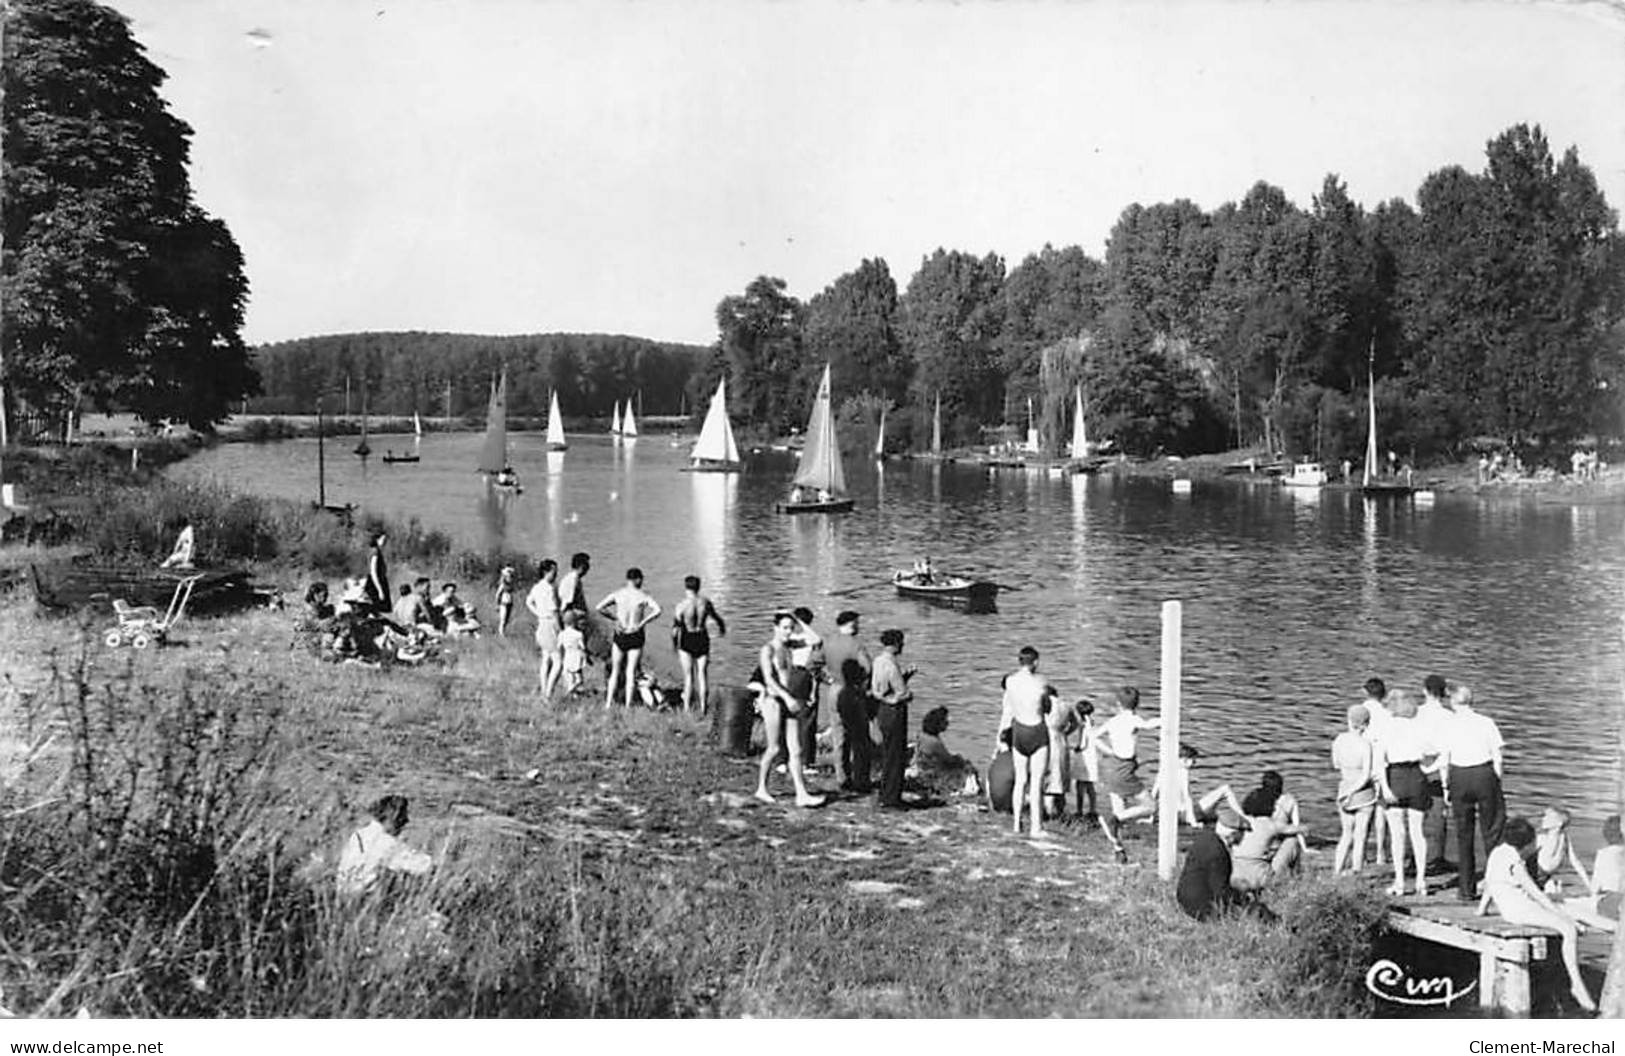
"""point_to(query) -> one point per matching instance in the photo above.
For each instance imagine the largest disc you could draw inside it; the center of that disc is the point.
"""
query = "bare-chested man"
(785, 705)
(633, 610)
(691, 636)
(1022, 730)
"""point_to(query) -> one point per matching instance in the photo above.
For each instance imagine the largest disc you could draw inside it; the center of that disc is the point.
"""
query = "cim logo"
(1391, 983)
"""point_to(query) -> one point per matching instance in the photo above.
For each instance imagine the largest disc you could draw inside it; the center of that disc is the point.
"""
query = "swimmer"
(633, 610)
(784, 704)
(691, 637)
(1023, 731)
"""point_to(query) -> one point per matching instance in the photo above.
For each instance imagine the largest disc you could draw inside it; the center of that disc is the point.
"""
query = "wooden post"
(1168, 764)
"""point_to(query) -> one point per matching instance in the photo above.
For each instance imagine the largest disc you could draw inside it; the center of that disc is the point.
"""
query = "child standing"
(573, 644)
(504, 598)
(1086, 759)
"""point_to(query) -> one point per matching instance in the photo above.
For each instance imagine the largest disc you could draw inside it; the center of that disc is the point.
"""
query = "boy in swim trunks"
(632, 610)
(691, 638)
(1024, 732)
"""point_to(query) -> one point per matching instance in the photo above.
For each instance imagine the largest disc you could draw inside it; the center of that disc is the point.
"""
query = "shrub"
(1330, 930)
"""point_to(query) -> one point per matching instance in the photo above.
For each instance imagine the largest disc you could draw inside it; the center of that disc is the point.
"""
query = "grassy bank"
(172, 819)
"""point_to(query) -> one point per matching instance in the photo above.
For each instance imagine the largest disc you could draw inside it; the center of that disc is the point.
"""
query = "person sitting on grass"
(411, 612)
(181, 556)
(1272, 845)
(375, 849)
(941, 772)
(456, 618)
(318, 609)
(1518, 899)
(1205, 887)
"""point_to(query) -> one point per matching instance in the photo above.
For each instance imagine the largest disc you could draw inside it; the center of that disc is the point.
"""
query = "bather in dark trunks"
(626, 641)
(1028, 739)
(694, 643)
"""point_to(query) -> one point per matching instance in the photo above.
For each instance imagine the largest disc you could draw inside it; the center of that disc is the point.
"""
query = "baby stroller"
(141, 625)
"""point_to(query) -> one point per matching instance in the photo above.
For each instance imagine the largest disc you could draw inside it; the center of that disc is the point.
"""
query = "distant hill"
(406, 372)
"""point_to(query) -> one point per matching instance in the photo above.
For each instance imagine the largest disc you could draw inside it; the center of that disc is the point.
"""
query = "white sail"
(417, 425)
(716, 443)
(555, 425)
(1080, 434)
(494, 450)
(821, 457)
(880, 434)
(615, 420)
(1032, 430)
(936, 428)
(629, 424)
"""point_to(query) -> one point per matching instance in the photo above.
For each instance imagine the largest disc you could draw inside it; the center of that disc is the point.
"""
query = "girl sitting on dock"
(1520, 900)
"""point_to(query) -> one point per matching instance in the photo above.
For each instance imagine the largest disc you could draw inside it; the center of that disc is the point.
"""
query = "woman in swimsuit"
(692, 640)
(1518, 899)
(1022, 730)
(1356, 789)
(783, 710)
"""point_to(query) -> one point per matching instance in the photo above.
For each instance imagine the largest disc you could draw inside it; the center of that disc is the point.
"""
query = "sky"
(526, 166)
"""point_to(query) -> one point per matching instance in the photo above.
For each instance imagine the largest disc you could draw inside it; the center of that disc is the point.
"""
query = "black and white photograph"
(813, 510)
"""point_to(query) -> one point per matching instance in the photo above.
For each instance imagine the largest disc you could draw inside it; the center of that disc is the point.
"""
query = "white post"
(1168, 761)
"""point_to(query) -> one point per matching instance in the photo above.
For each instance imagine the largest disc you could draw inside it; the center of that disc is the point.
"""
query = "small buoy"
(614, 495)
(1182, 486)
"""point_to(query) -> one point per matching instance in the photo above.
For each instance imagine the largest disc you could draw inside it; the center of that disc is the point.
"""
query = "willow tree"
(117, 288)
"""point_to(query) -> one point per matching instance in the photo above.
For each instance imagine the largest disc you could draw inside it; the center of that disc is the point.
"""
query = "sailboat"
(494, 451)
(363, 449)
(391, 458)
(629, 424)
(615, 420)
(820, 468)
(1081, 461)
(1370, 483)
(715, 450)
(880, 436)
(555, 425)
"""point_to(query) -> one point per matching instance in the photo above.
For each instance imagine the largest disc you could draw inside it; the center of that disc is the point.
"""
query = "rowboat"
(974, 595)
(80, 583)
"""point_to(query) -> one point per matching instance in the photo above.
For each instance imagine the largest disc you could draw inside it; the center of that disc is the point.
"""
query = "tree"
(117, 287)
(951, 320)
(1513, 291)
(1050, 299)
(759, 334)
(853, 326)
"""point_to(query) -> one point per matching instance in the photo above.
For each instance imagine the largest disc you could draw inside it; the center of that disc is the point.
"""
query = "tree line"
(400, 373)
(1489, 312)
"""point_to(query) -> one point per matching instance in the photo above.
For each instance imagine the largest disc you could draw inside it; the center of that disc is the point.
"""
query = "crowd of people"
(1408, 764)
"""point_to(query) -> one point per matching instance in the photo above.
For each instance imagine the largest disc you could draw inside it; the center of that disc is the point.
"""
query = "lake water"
(1291, 598)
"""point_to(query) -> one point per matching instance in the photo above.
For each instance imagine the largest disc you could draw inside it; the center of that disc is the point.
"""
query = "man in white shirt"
(374, 849)
(1432, 715)
(1472, 745)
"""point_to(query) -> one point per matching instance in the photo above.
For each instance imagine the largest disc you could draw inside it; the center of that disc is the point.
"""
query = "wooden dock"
(1506, 952)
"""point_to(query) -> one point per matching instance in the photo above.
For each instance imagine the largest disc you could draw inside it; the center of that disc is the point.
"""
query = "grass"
(204, 789)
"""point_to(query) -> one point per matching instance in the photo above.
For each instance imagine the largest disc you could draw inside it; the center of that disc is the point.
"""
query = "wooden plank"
(1515, 948)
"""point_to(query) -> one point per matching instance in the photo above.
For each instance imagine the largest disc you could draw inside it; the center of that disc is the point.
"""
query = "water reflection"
(714, 497)
(492, 508)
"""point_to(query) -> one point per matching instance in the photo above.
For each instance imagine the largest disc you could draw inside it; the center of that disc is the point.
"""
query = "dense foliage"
(408, 372)
(117, 288)
(1490, 309)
